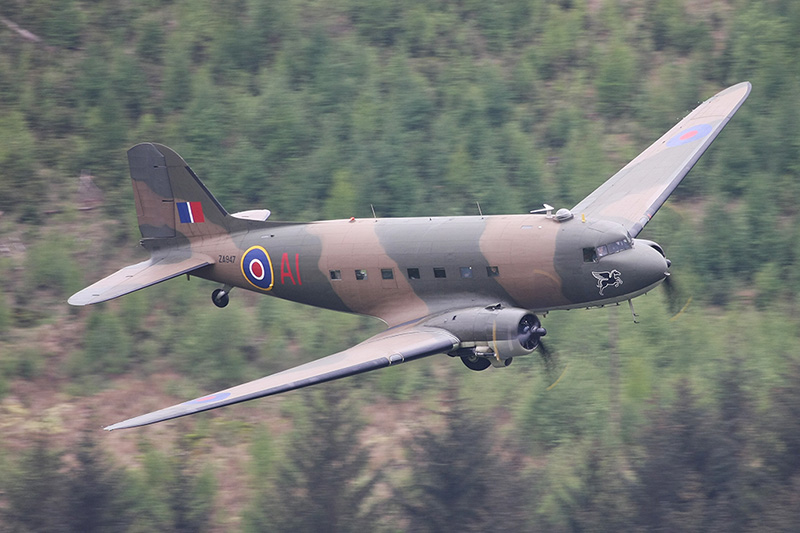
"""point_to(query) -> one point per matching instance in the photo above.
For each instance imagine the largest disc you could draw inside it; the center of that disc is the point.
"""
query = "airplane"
(471, 287)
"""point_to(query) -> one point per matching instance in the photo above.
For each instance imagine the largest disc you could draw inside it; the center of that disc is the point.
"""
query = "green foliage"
(690, 475)
(583, 160)
(107, 345)
(172, 492)
(177, 80)
(63, 24)
(150, 45)
(49, 265)
(42, 494)
(25, 363)
(448, 477)
(617, 75)
(96, 491)
(19, 184)
(672, 27)
(35, 497)
(343, 196)
(325, 470)
(558, 47)
(5, 312)
(566, 412)
(215, 349)
(377, 20)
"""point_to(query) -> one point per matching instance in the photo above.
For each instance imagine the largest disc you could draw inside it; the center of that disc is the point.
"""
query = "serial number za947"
(226, 259)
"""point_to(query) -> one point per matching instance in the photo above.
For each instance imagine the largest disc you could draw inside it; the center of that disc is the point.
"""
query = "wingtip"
(744, 85)
(76, 301)
(126, 424)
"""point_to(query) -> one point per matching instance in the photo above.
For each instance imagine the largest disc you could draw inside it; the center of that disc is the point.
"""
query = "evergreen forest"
(686, 421)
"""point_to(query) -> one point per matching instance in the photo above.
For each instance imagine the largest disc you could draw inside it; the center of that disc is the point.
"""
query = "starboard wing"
(634, 194)
(141, 275)
(392, 347)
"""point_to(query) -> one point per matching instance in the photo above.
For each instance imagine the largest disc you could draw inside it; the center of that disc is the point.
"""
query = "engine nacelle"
(505, 332)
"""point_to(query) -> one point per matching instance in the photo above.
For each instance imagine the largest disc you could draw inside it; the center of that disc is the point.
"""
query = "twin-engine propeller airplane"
(467, 286)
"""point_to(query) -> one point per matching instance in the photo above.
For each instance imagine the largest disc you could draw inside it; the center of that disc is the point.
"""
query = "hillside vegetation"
(689, 420)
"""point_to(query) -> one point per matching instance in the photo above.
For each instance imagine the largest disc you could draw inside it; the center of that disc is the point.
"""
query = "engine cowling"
(503, 332)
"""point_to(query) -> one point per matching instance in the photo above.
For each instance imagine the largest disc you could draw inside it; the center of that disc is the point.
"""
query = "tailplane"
(160, 267)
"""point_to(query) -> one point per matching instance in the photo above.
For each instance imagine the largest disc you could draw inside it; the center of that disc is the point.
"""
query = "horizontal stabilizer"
(141, 275)
(253, 214)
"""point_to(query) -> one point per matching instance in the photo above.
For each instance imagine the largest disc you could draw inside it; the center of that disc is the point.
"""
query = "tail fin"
(171, 200)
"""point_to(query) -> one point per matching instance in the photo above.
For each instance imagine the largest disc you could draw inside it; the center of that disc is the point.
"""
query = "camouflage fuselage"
(407, 268)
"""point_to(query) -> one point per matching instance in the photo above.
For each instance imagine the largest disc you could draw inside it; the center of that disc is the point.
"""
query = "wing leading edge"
(391, 347)
(634, 194)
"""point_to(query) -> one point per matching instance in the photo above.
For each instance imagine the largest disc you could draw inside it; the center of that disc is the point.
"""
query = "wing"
(634, 194)
(392, 347)
(141, 275)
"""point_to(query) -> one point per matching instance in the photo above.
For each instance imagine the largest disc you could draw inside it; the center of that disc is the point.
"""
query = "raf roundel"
(257, 268)
(695, 133)
(208, 399)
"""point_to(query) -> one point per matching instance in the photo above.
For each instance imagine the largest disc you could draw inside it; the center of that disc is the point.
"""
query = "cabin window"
(413, 273)
(492, 271)
(336, 274)
(438, 272)
(589, 255)
(387, 273)
(361, 274)
(466, 272)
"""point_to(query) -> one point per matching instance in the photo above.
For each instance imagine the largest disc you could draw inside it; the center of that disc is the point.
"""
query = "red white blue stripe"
(190, 212)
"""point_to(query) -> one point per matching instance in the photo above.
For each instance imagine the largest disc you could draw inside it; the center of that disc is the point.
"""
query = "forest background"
(689, 420)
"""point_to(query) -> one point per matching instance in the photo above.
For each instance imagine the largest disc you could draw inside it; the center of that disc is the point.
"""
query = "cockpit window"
(592, 255)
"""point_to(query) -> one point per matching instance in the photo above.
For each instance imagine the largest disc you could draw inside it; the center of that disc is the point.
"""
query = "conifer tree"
(325, 483)
(464, 478)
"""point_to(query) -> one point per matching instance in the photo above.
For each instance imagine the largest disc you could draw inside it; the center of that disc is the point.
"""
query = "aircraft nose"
(651, 264)
(642, 269)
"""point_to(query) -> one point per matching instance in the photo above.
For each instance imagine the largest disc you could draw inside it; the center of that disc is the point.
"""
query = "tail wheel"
(473, 362)
(220, 298)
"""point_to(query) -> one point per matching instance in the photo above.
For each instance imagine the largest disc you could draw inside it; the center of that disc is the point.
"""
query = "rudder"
(170, 198)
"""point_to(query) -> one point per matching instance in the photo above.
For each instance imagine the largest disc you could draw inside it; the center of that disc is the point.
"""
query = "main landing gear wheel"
(220, 297)
(473, 362)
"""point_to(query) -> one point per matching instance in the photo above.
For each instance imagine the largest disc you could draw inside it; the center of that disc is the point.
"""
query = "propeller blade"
(550, 361)
(677, 302)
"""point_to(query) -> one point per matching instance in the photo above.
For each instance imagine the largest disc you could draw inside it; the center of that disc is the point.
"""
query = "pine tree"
(464, 478)
(325, 483)
(95, 492)
(34, 497)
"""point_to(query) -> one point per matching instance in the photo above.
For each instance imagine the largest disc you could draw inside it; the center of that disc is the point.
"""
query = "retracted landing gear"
(476, 362)
(220, 296)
